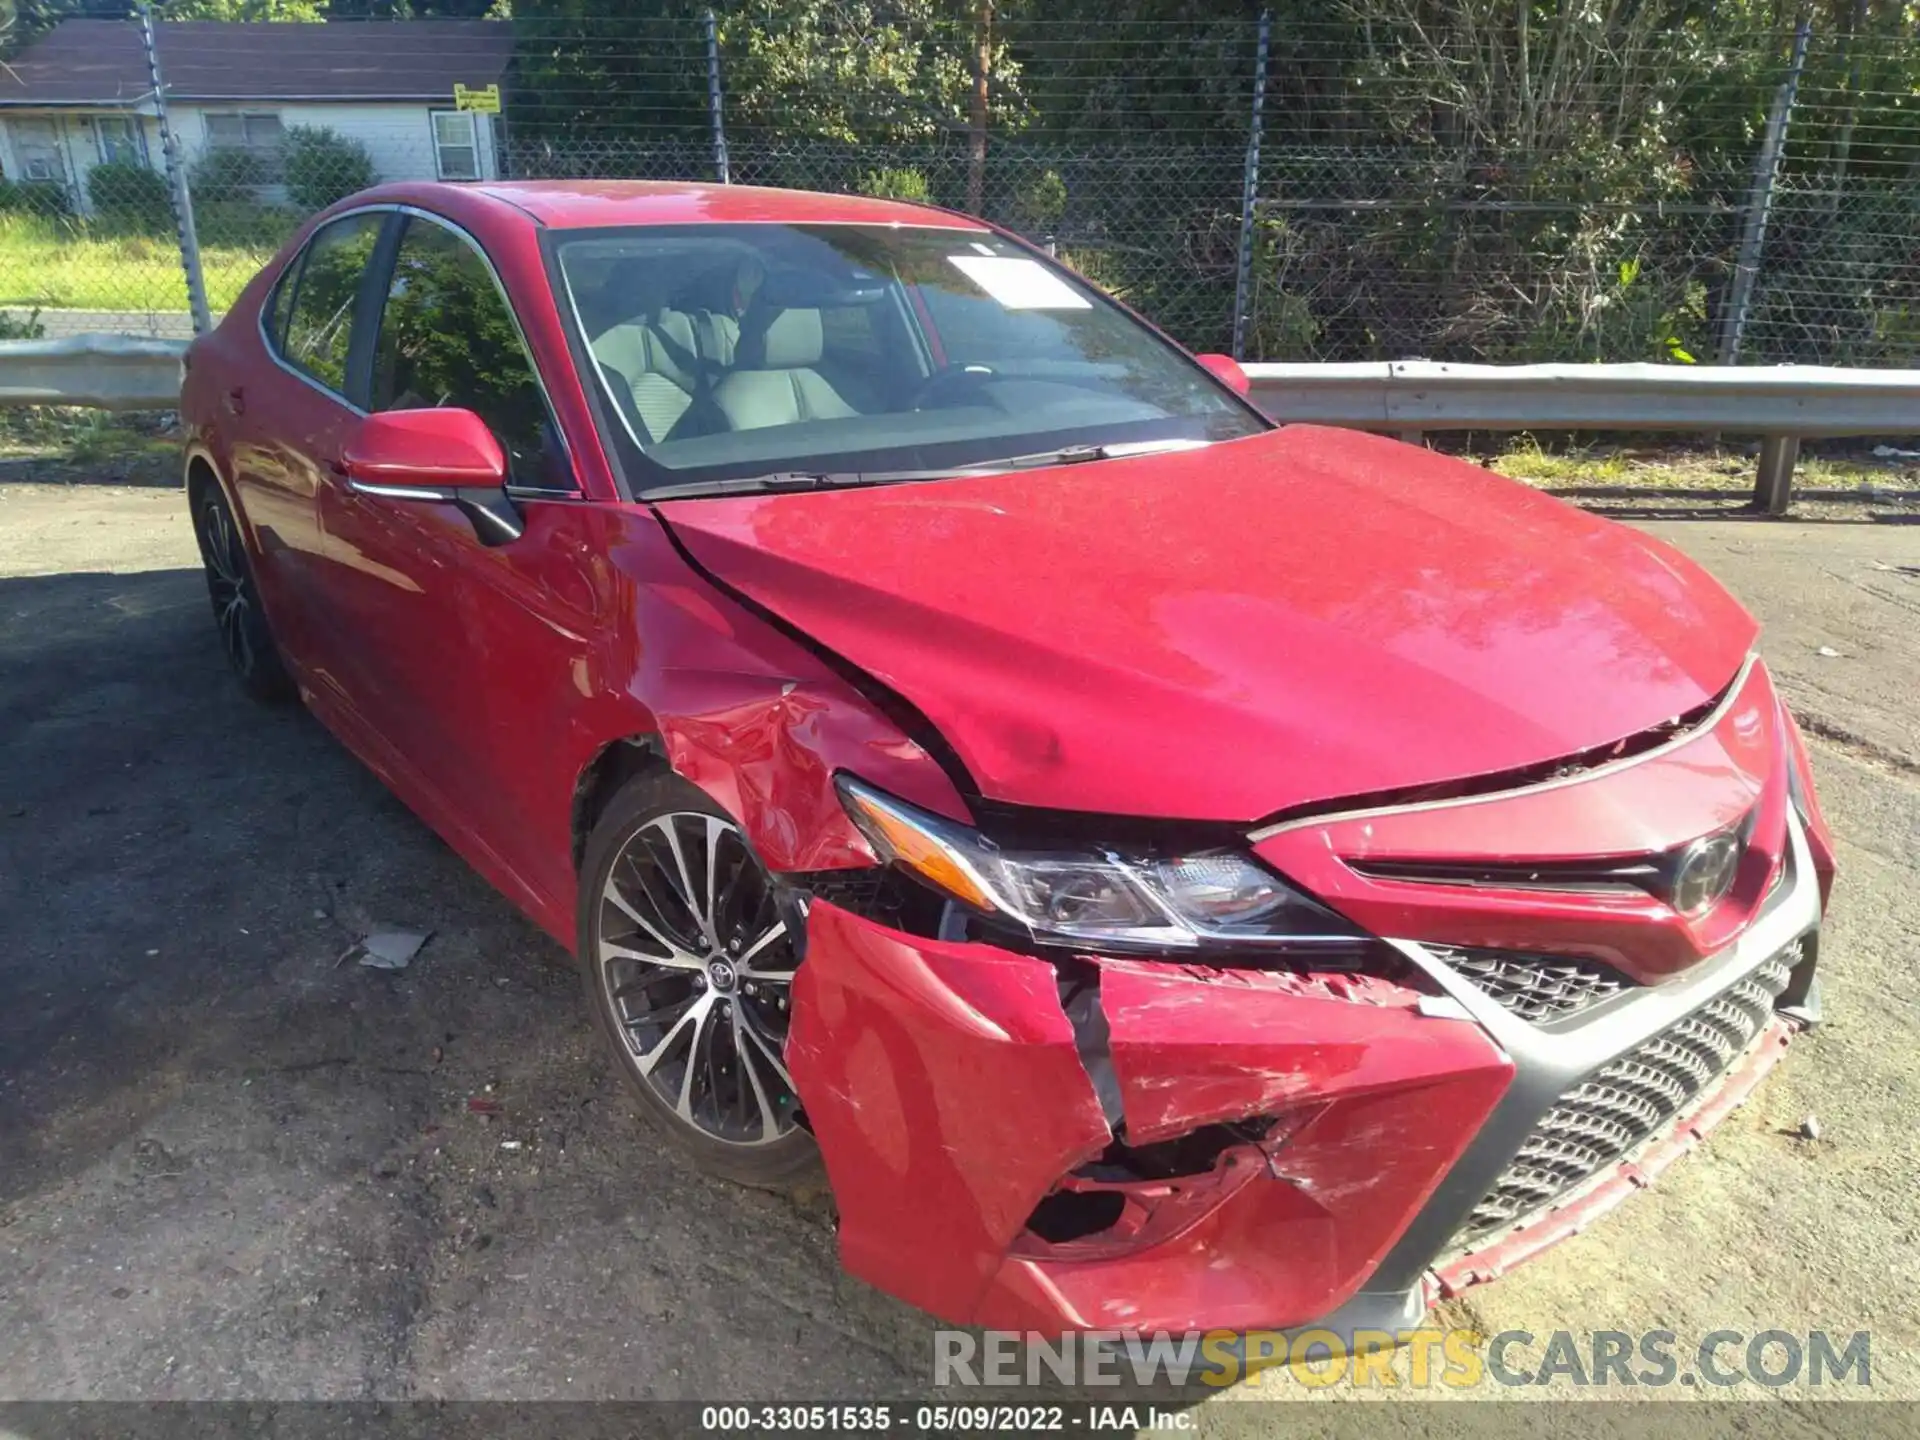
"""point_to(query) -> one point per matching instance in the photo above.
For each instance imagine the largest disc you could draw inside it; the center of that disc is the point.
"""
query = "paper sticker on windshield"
(1019, 283)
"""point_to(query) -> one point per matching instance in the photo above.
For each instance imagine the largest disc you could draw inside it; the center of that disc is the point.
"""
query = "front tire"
(244, 633)
(688, 957)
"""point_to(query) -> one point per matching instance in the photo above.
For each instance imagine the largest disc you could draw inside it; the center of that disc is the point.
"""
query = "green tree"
(844, 70)
(323, 166)
(308, 11)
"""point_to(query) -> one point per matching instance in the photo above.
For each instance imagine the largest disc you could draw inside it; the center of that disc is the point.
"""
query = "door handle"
(237, 400)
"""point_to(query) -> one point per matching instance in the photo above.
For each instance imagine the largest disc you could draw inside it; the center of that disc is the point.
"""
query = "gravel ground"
(234, 1168)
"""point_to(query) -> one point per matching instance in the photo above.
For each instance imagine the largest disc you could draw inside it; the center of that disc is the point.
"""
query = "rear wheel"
(244, 633)
(689, 961)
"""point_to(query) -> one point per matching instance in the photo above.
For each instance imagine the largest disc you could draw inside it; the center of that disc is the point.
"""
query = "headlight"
(1097, 898)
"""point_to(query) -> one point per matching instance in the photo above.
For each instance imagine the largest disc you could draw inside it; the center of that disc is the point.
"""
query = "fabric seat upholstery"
(784, 388)
(651, 353)
(657, 360)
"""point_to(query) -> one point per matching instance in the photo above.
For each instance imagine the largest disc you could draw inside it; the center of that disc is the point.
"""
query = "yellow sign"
(484, 98)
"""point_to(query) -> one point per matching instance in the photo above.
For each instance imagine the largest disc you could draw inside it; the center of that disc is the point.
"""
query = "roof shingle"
(102, 62)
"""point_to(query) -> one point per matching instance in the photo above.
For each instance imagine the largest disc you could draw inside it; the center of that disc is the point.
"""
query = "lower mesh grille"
(1631, 1099)
(1535, 987)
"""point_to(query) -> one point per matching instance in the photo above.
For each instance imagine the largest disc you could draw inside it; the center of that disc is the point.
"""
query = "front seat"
(777, 383)
(651, 352)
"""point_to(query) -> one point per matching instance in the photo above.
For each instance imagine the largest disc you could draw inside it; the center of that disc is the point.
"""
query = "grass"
(56, 263)
(1674, 467)
(60, 444)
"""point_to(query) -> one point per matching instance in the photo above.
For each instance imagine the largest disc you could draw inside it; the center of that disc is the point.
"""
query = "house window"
(37, 144)
(257, 132)
(119, 141)
(456, 145)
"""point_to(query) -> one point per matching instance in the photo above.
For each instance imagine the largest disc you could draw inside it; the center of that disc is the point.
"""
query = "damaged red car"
(1169, 869)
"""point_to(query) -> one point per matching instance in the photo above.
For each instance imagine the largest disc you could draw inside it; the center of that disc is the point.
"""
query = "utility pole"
(188, 237)
(977, 129)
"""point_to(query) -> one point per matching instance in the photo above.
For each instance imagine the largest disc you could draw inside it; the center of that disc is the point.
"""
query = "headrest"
(793, 340)
(631, 291)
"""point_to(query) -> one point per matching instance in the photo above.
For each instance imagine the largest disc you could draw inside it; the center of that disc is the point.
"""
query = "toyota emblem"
(1705, 872)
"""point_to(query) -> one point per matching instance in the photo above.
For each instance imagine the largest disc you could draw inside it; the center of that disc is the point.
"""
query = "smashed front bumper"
(1322, 1147)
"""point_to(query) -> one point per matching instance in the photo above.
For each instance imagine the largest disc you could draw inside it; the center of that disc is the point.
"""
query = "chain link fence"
(104, 253)
(1422, 189)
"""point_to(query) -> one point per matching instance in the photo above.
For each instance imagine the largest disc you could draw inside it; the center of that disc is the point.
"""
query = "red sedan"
(1171, 870)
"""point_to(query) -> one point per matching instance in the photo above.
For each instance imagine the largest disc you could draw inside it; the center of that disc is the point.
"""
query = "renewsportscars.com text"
(1432, 1358)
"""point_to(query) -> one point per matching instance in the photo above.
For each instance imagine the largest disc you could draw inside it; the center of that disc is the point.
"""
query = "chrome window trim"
(392, 207)
(1598, 772)
(447, 494)
(400, 492)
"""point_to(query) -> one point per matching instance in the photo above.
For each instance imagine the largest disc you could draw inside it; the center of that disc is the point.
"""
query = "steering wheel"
(948, 385)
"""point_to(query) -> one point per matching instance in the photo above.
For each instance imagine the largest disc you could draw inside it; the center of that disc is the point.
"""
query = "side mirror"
(1227, 370)
(449, 456)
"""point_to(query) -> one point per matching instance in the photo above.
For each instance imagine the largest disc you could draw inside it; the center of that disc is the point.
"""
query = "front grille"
(883, 894)
(1535, 987)
(1612, 1111)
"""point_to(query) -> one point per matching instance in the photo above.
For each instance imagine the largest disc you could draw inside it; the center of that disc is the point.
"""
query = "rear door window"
(319, 325)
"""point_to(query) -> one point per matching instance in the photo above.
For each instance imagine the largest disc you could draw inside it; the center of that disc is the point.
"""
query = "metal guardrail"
(105, 372)
(1783, 404)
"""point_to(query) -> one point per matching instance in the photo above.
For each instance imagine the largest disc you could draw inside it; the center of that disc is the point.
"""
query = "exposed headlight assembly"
(1097, 899)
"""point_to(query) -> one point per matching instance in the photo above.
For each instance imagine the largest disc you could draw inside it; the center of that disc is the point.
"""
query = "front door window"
(447, 338)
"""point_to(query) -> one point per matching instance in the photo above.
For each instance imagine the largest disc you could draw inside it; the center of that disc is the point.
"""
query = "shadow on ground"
(236, 1168)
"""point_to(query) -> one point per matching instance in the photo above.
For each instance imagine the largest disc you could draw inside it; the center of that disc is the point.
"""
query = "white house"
(81, 95)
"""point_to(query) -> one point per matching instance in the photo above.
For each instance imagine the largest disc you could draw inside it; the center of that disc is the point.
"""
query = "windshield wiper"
(783, 481)
(1080, 454)
(778, 482)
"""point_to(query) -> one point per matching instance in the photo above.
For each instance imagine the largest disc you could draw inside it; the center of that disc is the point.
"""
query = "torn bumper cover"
(951, 1098)
(1147, 1145)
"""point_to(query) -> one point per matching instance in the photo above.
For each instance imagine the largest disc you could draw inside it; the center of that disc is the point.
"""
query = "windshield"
(866, 352)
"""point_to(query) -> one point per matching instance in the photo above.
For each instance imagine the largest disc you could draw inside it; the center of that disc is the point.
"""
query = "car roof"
(567, 204)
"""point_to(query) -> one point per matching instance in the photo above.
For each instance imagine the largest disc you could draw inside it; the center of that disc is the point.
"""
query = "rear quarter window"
(279, 300)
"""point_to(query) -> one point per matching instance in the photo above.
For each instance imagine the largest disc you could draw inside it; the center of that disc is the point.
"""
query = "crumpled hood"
(1224, 633)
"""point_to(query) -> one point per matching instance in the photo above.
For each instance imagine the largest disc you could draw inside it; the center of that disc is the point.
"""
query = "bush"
(34, 197)
(230, 175)
(323, 166)
(131, 191)
(1041, 203)
(896, 185)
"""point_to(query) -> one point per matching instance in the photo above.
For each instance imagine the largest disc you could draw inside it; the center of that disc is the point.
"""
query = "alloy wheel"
(696, 964)
(227, 584)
